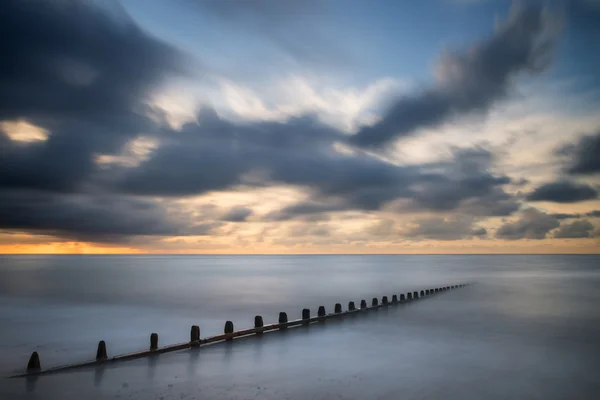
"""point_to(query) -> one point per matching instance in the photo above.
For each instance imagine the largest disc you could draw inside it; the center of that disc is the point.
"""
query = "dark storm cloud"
(237, 214)
(563, 192)
(439, 228)
(532, 224)
(583, 157)
(83, 73)
(575, 230)
(470, 81)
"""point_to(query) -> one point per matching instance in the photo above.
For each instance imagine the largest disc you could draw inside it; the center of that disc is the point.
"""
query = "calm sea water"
(530, 327)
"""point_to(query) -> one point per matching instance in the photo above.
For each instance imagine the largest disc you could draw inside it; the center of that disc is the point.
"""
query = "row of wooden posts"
(34, 365)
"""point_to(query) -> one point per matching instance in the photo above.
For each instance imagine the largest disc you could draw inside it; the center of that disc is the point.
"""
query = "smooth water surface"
(529, 328)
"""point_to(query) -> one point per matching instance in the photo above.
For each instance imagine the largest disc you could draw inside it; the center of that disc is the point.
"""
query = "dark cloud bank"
(84, 73)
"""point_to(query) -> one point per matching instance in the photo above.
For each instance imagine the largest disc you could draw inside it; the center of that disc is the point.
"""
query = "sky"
(263, 126)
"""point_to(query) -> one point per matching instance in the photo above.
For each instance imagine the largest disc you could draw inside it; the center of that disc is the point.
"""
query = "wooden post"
(409, 296)
(375, 302)
(283, 319)
(416, 295)
(351, 306)
(437, 290)
(321, 312)
(384, 300)
(338, 308)
(228, 330)
(101, 351)
(422, 293)
(394, 298)
(195, 335)
(363, 304)
(153, 341)
(258, 324)
(306, 315)
(34, 362)
(426, 292)
(402, 298)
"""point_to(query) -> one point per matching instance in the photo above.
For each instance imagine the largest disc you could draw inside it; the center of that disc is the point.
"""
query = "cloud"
(471, 81)
(591, 214)
(439, 228)
(103, 112)
(463, 182)
(563, 192)
(532, 224)
(574, 230)
(237, 214)
(83, 76)
(85, 217)
(583, 157)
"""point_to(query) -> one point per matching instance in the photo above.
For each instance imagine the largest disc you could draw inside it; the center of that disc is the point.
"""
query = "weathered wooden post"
(305, 316)
(416, 295)
(437, 290)
(351, 306)
(338, 308)
(321, 313)
(394, 298)
(228, 330)
(384, 300)
(363, 304)
(375, 302)
(422, 293)
(34, 362)
(426, 292)
(258, 324)
(101, 351)
(153, 341)
(283, 319)
(195, 335)
(409, 296)
(402, 298)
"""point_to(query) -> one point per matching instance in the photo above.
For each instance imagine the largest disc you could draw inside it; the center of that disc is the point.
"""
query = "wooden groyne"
(34, 366)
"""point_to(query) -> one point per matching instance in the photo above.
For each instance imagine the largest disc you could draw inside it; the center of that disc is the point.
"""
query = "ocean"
(528, 329)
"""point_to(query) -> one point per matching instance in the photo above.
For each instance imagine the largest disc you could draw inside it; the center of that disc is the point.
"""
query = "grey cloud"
(463, 183)
(94, 217)
(583, 156)
(473, 80)
(439, 228)
(532, 224)
(563, 192)
(574, 230)
(84, 217)
(82, 72)
(65, 58)
(591, 214)
(237, 214)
